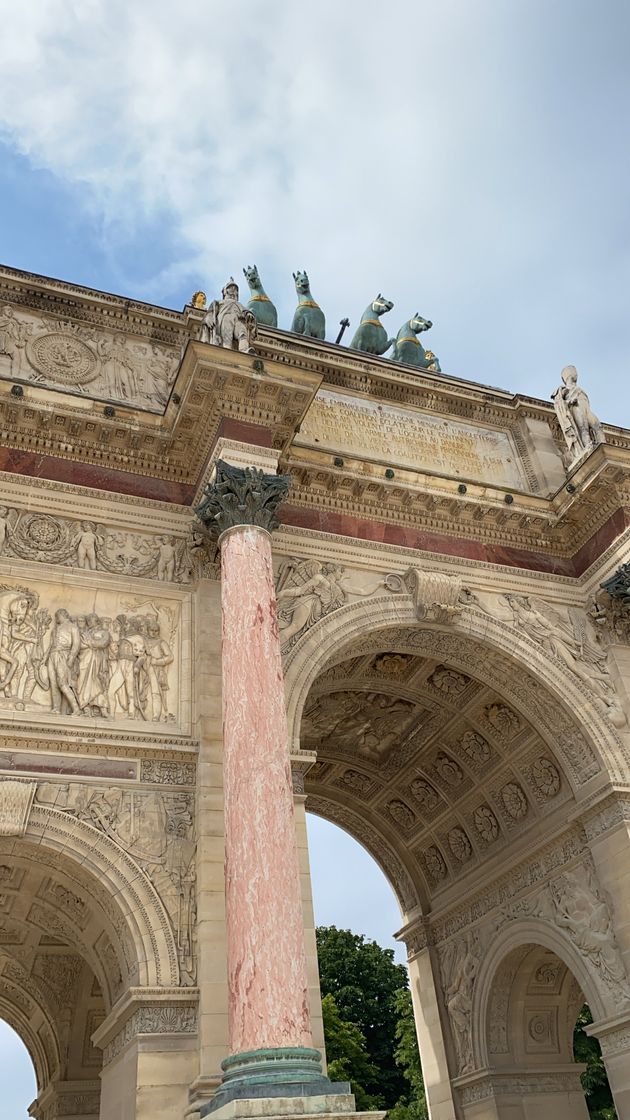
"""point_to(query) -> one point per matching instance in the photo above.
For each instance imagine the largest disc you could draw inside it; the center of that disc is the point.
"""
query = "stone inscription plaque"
(414, 439)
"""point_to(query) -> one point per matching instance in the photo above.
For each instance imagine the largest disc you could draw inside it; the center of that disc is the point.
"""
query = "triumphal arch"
(245, 572)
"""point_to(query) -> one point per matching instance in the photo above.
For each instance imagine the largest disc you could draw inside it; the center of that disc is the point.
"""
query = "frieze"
(166, 773)
(602, 818)
(100, 654)
(614, 1041)
(159, 1019)
(76, 358)
(93, 547)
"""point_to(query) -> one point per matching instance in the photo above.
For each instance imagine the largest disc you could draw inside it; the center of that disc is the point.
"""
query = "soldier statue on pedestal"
(228, 323)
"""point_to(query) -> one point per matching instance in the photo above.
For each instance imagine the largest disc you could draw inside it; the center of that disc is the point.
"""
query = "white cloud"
(462, 158)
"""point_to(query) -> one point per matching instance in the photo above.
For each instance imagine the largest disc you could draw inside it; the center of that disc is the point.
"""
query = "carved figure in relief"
(25, 631)
(13, 338)
(571, 642)
(259, 303)
(167, 558)
(93, 676)
(459, 962)
(309, 318)
(86, 546)
(161, 657)
(118, 368)
(121, 689)
(586, 916)
(308, 590)
(371, 335)
(61, 662)
(227, 323)
(580, 427)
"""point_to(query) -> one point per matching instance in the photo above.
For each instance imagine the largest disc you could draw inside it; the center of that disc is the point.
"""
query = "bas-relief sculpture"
(459, 962)
(227, 323)
(581, 429)
(81, 359)
(157, 830)
(92, 546)
(102, 655)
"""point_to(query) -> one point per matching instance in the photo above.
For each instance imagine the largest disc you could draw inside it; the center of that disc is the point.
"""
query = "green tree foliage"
(348, 1059)
(408, 1060)
(364, 981)
(594, 1079)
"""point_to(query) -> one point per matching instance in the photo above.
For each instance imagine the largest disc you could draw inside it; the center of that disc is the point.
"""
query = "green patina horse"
(408, 349)
(370, 334)
(259, 303)
(309, 317)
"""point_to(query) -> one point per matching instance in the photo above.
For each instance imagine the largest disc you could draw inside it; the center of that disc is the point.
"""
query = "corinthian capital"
(242, 496)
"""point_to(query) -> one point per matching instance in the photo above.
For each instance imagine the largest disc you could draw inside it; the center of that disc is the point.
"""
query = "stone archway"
(453, 752)
(528, 992)
(80, 926)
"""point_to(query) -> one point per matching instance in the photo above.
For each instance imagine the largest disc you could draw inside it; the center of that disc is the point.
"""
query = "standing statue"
(309, 317)
(580, 426)
(227, 323)
(259, 303)
(407, 348)
(371, 335)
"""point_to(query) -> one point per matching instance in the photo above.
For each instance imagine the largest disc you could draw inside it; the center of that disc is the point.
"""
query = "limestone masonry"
(394, 579)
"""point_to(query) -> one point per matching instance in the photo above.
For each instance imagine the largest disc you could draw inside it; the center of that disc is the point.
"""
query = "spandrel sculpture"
(581, 429)
(259, 303)
(227, 323)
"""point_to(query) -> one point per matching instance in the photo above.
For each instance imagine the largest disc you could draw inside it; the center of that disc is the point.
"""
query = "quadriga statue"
(409, 350)
(371, 335)
(259, 303)
(309, 318)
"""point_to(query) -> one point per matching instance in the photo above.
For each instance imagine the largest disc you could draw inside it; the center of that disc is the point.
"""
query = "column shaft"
(268, 991)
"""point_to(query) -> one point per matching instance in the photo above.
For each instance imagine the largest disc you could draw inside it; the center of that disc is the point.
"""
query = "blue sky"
(468, 159)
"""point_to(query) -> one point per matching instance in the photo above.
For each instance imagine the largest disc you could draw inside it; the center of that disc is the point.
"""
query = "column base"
(284, 1074)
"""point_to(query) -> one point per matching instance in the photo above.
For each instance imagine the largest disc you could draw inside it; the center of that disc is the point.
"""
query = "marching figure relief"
(85, 664)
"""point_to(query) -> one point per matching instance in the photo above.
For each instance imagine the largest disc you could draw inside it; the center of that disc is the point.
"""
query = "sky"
(469, 159)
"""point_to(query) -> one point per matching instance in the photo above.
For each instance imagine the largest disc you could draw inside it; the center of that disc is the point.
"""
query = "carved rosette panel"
(81, 359)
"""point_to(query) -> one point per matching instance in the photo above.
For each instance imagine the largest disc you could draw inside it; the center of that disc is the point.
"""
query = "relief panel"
(81, 359)
(91, 652)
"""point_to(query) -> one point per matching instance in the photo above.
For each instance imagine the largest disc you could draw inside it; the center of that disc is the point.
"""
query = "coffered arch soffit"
(536, 685)
(438, 747)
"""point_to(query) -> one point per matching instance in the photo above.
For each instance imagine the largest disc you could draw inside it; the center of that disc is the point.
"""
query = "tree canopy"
(371, 993)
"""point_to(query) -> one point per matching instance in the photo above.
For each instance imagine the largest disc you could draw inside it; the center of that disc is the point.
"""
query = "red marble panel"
(28, 762)
(331, 522)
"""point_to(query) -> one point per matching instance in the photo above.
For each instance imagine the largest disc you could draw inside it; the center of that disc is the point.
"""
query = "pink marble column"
(268, 1005)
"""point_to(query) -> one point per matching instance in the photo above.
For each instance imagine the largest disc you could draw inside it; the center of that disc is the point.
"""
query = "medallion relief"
(81, 359)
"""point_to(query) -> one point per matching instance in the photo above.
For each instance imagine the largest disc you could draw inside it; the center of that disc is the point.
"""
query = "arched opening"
(367, 1011)
(452, 763)
(17, 1074)
(532, 1007)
